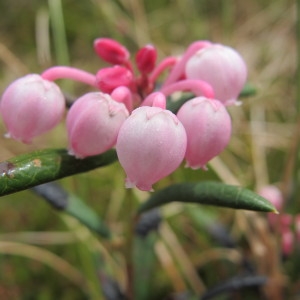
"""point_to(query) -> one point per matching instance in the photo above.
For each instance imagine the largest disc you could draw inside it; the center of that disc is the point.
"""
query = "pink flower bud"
(208, 127)
(297, 227)
(111, 51)
(287, 242)
(286, 220)
(222, 67)
(146, 59)
(151, 145)
(93, 123)
(110, 78)
(273, 194)
(123, 94)
(31, 106)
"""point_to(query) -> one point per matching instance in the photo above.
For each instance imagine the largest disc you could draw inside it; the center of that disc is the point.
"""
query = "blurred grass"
(264, 33)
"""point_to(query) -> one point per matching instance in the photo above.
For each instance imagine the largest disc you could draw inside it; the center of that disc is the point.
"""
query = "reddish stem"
(123, 94)
(61, 72)
(179, 68)
(156, 99)
(162, 66)
(196, 86)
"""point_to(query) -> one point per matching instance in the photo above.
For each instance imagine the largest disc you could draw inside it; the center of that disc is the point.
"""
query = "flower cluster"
(128, 109)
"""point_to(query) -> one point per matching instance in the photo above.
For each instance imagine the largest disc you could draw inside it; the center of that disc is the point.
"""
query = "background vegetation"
(263, 149)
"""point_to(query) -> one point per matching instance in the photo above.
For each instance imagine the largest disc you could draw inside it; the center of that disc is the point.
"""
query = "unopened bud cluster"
(128, 108)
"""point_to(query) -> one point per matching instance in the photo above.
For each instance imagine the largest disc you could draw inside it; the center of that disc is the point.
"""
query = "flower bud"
(151, 144)
(273, 194)
(208, 127)
(222, 67)
(111, 51)
(109, 79)
(31, 106)
(93, 123)
(297, 227)
(287, 242)
(146, 59)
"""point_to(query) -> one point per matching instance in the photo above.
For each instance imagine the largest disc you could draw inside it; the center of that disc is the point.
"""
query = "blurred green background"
(261, 150)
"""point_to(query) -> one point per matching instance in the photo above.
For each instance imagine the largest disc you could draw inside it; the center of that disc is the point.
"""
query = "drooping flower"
(208, 127)
(222, 67)
(93, 123)
(31, 106)
(151, 144)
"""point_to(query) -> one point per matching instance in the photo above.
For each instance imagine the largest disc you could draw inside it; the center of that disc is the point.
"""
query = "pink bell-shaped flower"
(208, 127)
(31, 106)
(93, 123)
(222, 67)
(151, 144)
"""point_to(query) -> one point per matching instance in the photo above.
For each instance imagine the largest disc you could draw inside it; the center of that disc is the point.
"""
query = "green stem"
(129, 240)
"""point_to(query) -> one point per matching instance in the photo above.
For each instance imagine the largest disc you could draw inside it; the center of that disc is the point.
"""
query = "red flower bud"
(146, 59)
(110, 78)
(111, 51)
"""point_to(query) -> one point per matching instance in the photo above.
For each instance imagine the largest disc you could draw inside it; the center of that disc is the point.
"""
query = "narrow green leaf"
(59, 199)
(86, 215)
(209, 193)
(31, 169)
(144, 265)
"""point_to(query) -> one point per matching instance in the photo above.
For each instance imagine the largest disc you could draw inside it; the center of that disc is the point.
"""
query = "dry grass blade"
(206, 257)
(46, 257)
(39, 238)
(258, 149)
(84, 236)
(140, 23)
(168, 264)
(264, 247)
(223, 171)
(186, 266)
(12, 61)
(42, 36)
